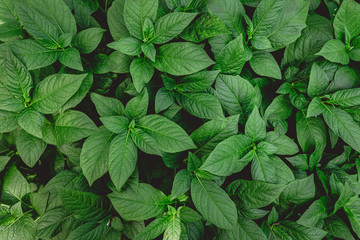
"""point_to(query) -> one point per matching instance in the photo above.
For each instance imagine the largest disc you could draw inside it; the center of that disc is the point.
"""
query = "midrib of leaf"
(184, 94)
(207, 142)
(209, 196)
(308, 125)
(152, 130)
(125, 146)
(237, 100)
(104, 145)
(177, 58)
(343, 99)
(12, 13)
(260, 164)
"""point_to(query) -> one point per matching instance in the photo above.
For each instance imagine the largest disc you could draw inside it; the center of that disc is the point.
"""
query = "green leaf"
(122, 159)
(127, 45)
(334, 50)
(137, 107)
(107, 106)
(89, 231)
(135, 13)
(197, 82)
(115, 124)
(347, 17)
(139, 204)
(30, 148)
(181, 184)
(343, 125)
(7, 11)
(154, 229)
(285, 145)
(292, 230)
(72, 126)
(31, 121)
(231, 58)
(14, 187)
(71, 58)
(213, 203)
(171, 25)
(279, 109)
(262, 168)
(145, 142)
(115, 20)
(149, 51)
(346, 98)
(141, 72)
(169, 136)
(255, 127)
(223, 161)
(264, 64)
(299, 191)
(87, 40)
(18, 79)
(163, 100)
(82, 205)
(94, 156)
(54, 91)
(19, 228)
(315, 108)
(188, 215)
(206, 26)
(208, 135)
(255, 194)
(181, 58)
(245, 229)
(318, 81)
(8, 121)
(173, 230)
(337, 227)
(314, 215)
(201, 105)
(237, 95)
(230, 12)
(49, 222)
(33, 54)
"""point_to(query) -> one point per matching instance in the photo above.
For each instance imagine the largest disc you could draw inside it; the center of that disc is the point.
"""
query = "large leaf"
(347, 20)
(181, 58)
(115, 20)
(122, 159)
(213, 203)
(154, 229)
(139, 204)
(255, 194)
(231, 58)
(318, 81)
(264, 64)
(135, 12)
(224, 160)
(169, 136)
(292, 230)
(246, 229)
(346, 98)
(342, 124)
(54, 91)
(94, 161)
(334, 50)
(30, 148)
(237, 95)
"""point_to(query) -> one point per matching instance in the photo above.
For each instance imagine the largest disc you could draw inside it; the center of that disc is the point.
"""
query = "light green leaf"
(334, 50)
(72, 59)
(115, 124)
(145, 142)
(154, 229)
(122, 159)
(230, 11)
(48, 223)
(30, 148)
(8, 121)
(54, 91)
(264, 64)
(347, 17)
(115, 20)
(107, 106)
(87, 40)
(188, 215)
(346, 98)
(163, 100)
(141, 72)
(171, 25)
(213, 203)
(72, 126)
(181, 58)
(337, 227)
(14, 188)
(279, 109)
(285, 145)
(292, 230)
(255, 127)
(149, 51)
(139, 204)
(89, 231)
(208, 135)
(318, 81)
(246, 229)
(197, 82)
(19, 228)
(314, 215)
(181, 184)
(262, 168)
(299, 191)
(202, 105)
(31, 121)
(255, 194)
(135, 13)
(127, 45)
(343, 125)
(169, 136)
(137, 107)
(224, 159)
(236, 94)
(231, 58)
(173, 231)
(94, 156)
